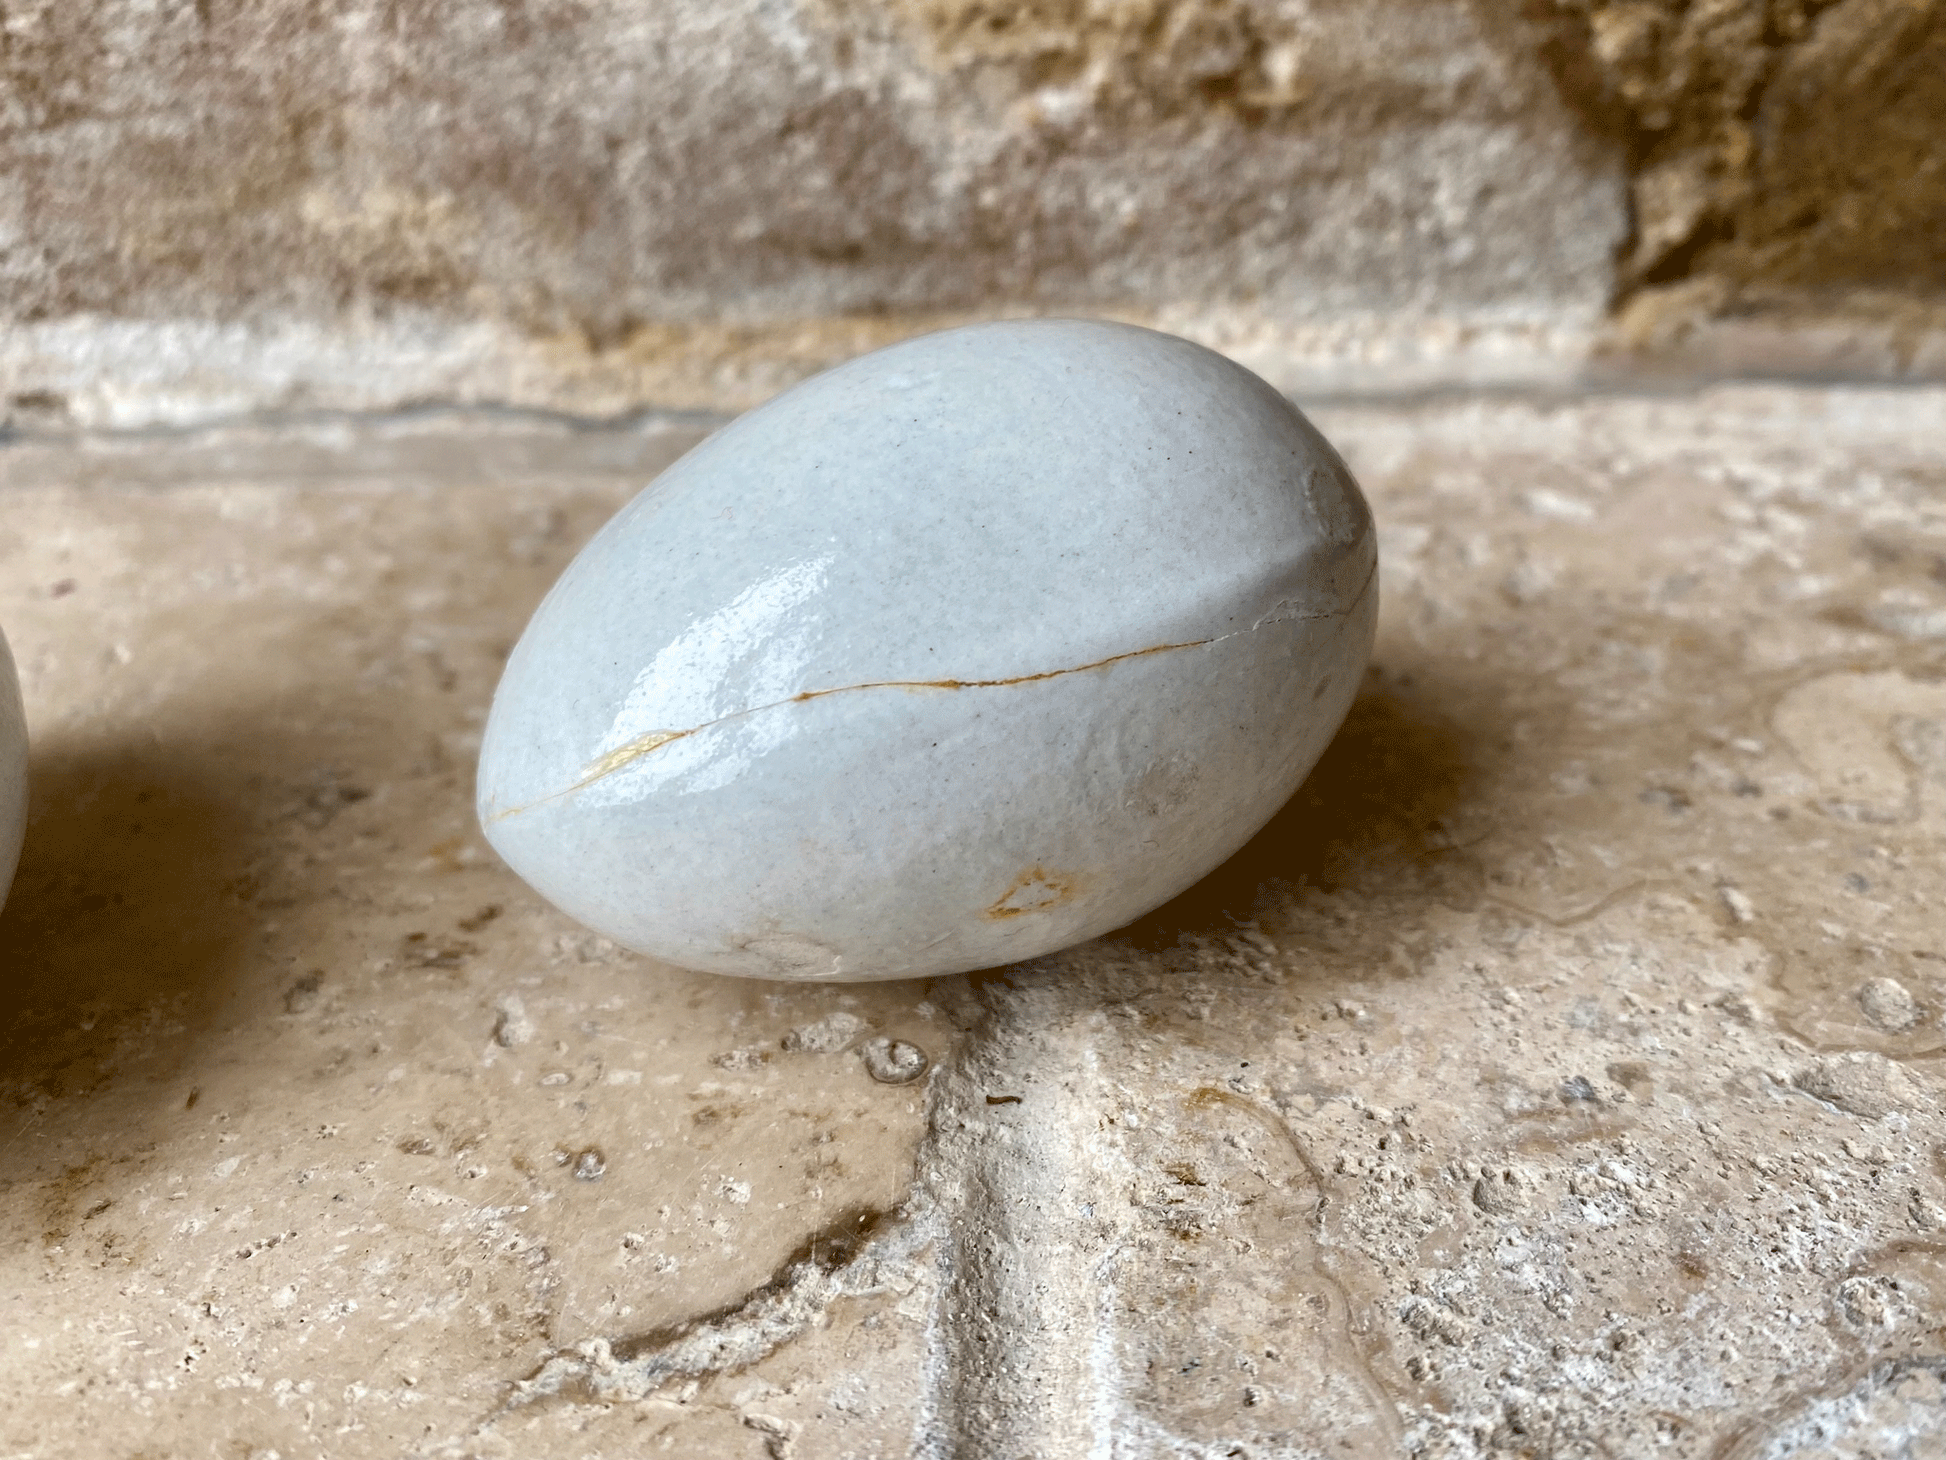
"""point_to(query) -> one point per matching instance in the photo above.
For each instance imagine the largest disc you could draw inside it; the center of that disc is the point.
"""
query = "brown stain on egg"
(1035, 890)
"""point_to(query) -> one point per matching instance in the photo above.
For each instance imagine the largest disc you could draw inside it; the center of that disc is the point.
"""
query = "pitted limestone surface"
(1560, 1074)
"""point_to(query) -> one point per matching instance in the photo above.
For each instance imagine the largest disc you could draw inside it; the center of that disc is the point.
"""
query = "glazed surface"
(973, 648)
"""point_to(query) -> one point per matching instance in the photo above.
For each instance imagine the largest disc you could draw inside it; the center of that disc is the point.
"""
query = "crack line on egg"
(624, 756)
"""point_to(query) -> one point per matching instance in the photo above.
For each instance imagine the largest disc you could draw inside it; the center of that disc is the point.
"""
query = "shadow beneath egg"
(1373, 816)
(123, 932)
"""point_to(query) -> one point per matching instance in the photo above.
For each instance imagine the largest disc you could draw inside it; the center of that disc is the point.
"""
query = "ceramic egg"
(960, 653)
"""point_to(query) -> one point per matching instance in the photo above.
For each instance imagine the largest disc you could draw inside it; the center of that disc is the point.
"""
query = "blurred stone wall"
(210, 205)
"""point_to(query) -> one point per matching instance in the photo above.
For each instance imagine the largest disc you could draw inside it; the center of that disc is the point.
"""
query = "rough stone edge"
(98, 374)
(109, 374)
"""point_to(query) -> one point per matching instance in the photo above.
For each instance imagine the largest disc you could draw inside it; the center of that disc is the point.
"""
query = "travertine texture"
(353, 1130)
(1559, 1075)
(210, 206)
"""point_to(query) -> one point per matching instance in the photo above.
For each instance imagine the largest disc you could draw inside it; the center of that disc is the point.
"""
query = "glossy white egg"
(965, 651)
(13, 770)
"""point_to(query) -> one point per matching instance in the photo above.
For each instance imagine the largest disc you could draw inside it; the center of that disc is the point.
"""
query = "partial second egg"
(13, 770)
(968, 650)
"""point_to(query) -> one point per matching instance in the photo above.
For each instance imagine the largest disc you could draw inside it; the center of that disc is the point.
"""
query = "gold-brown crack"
(640, 746)
(626, 755)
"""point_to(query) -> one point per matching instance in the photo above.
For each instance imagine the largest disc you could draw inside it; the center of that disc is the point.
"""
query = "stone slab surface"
(1559, 1075)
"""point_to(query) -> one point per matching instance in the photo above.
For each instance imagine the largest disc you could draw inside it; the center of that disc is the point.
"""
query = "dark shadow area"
(125, 928)
(1373, 815)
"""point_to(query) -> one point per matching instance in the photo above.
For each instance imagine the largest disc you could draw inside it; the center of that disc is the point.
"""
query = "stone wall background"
(208, 205)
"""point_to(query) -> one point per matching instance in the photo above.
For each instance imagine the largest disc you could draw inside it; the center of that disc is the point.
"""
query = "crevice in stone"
(859, 1253)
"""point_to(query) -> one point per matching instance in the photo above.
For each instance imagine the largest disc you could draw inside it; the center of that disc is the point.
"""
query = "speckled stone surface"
(973, 649)
(1559, 1075)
